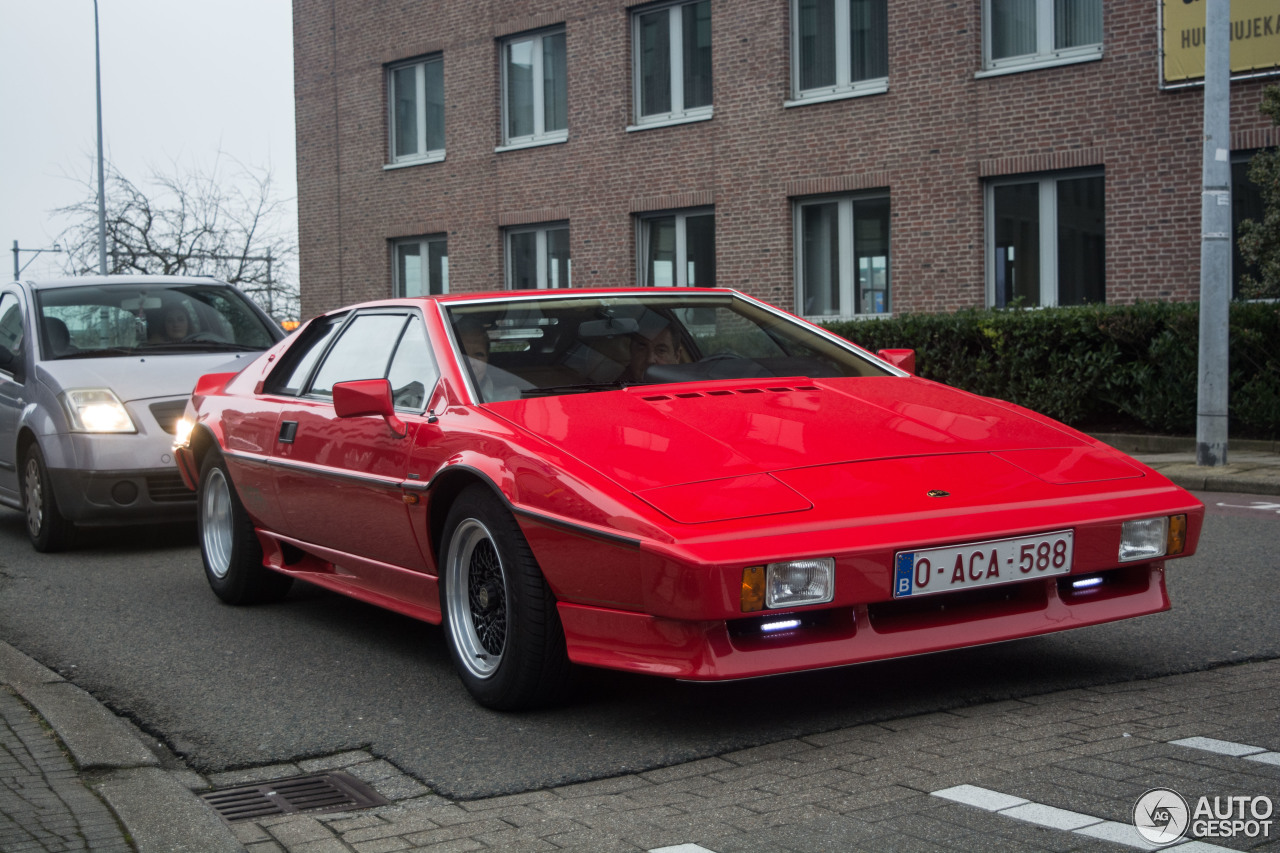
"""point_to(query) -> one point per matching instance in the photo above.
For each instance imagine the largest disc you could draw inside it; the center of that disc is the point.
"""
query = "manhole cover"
(321, 792)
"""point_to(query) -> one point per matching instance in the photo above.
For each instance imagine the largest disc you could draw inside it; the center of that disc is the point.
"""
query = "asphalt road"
(128, 616)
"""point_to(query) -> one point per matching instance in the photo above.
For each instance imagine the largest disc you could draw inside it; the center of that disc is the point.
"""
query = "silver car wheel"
(216, 529)
(34, 496)
(476, 598)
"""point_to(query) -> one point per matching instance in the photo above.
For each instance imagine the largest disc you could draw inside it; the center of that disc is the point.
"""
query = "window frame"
(847, 272)
(644, 223)
(540, 135)
(1047, 222)
(845, 86)
(1045, 55)
(398, 285)
(396, 160)
(542, 259)
(678, 114)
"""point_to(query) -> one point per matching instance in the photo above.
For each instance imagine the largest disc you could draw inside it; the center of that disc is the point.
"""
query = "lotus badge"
(938, 493)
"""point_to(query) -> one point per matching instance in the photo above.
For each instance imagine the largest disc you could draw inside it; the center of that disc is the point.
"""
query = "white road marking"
(1040, 814)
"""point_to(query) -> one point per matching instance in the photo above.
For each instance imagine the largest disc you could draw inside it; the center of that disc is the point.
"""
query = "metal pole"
(102, 193)
(17, 272)
(1215, 239)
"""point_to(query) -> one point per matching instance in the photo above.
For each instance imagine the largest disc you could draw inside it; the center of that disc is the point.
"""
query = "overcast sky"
(181, 81)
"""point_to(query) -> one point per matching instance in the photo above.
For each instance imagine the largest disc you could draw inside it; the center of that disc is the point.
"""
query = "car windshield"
(537, 347)
(98, 321)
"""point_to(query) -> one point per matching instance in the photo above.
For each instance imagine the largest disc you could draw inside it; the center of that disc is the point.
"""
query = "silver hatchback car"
(94, 376)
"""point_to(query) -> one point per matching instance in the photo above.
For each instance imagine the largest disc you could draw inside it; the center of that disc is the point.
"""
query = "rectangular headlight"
(798, 582)
(96, 410)
(1144, 539)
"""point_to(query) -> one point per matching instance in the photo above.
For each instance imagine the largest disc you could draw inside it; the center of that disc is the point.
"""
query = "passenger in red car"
(474, 342)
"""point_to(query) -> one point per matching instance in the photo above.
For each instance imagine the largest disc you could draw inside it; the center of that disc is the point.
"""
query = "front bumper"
(740, 648)
(93, 498)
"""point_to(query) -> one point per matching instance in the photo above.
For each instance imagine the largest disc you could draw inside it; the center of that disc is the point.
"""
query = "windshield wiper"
(201, 346)
(581, 388)
(105, 352)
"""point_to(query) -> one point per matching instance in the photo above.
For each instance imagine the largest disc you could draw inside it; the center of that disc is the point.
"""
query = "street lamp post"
(102, 193)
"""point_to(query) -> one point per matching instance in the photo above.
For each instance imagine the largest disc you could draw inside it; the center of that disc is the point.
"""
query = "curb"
(160, 813)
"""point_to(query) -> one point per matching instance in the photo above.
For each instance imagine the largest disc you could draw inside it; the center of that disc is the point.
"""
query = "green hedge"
(1094, 367)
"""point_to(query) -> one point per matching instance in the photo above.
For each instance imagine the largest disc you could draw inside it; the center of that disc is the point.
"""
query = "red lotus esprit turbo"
(681, 482)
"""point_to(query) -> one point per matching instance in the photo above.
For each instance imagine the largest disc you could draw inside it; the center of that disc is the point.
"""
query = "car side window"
(291, 374)
(362, 351)
(413, 371)
(11, 332)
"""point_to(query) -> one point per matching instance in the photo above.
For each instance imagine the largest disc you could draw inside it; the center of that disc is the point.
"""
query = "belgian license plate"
(954, 567)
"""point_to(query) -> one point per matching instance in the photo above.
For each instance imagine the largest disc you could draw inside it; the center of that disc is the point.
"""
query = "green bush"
(1095, 367)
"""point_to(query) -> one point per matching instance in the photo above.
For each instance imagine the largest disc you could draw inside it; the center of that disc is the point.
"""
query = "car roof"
(550, 293)
(108, 280)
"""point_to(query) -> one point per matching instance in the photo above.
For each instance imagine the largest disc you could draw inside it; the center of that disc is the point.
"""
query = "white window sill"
(669, 122)
(532, 143)
(1035, 63)
(877, 88)
(421, 161)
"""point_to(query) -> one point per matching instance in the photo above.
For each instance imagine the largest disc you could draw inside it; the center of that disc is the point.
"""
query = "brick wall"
(929, 140)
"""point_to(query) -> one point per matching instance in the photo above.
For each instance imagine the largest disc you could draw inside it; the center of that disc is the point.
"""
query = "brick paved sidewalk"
(1049, 773)
(44, 805)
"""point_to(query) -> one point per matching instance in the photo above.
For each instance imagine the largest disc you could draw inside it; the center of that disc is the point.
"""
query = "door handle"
(288, 430)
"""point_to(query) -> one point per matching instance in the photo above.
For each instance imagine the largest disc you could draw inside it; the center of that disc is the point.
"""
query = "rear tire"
(47, 528)
(500, 616)
(229, 546)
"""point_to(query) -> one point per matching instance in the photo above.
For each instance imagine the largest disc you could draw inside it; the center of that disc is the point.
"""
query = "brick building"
(834, 157)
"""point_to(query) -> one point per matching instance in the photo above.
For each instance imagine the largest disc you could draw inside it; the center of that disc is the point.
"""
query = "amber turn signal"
(752, 589)
(1177, 541)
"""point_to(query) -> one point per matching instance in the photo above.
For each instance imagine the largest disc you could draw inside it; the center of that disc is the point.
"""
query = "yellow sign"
(1255, 38)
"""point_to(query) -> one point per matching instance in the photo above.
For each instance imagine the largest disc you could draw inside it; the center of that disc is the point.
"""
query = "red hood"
(647, 438)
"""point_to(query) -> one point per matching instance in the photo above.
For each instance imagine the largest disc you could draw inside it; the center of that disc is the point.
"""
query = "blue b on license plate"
(955, 567)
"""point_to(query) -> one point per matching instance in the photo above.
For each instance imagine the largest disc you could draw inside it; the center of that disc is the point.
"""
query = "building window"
(838, 48)
(842, 256)
(672, 50)
(677, 249)
(535, 99)
(1046, 241)
(416, 93)
(538, 257)
(421, 266)
(1246, 203)
(1034, 33)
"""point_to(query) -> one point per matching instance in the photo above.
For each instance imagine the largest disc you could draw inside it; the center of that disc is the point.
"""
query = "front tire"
(229, 546)
(47, 528)
(500, 616)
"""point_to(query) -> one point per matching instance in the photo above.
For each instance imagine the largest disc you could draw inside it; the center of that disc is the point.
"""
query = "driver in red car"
(650, 346)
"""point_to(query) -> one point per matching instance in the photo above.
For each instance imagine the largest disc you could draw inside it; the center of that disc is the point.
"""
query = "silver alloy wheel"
(476, 597)
(34, 489)
(216, 522)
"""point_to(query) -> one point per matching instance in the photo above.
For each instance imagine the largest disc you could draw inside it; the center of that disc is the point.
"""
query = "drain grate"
(321, 792)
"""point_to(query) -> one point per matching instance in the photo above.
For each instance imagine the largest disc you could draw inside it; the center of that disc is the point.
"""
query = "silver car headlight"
(1143, 539)
(96, 410)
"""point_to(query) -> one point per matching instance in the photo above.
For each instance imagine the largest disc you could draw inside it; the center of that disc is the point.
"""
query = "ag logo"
(1161, 816)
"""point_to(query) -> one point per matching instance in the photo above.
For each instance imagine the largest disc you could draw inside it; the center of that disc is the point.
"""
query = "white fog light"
(1143, 540)
(96, 410)
(800, 582)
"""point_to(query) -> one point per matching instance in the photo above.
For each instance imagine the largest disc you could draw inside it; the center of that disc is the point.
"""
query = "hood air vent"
(725, 392)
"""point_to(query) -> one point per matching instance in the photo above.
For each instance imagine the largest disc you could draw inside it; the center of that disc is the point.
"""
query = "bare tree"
(192, 222)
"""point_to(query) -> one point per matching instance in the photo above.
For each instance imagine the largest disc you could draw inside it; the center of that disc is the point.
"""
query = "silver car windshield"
(537, 347)
(112, 320)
